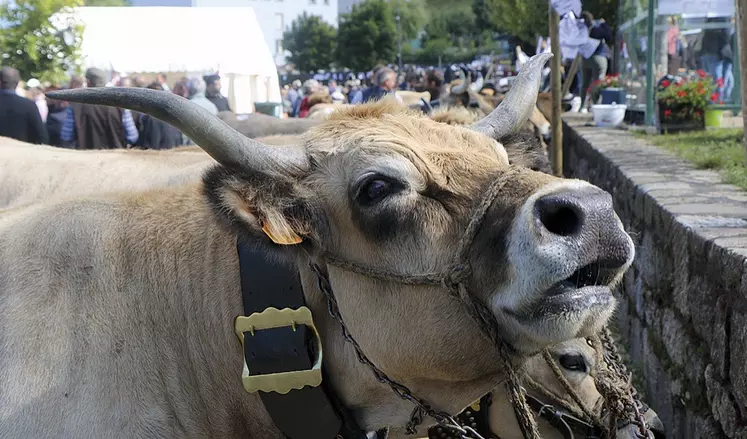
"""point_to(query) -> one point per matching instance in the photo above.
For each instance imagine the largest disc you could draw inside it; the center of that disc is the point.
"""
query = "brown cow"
(118, 310)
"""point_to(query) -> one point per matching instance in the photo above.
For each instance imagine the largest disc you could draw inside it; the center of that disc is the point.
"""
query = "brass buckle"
(281, 382)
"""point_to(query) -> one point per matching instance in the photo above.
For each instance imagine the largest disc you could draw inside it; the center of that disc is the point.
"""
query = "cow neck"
(283, 356)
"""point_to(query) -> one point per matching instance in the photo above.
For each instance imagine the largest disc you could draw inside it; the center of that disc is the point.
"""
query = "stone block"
(738, 356)
(721, 403)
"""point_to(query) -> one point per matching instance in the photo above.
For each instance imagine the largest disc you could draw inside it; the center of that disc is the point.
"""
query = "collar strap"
(565, 423)
(283, 353)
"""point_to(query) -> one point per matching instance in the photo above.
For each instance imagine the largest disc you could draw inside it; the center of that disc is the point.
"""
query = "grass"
(719, 149)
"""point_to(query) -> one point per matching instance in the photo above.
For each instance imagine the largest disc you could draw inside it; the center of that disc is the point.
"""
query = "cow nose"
(562, 214)
(586, 218)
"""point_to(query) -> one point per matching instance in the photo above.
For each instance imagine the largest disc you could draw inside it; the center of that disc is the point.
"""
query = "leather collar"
(283, 354)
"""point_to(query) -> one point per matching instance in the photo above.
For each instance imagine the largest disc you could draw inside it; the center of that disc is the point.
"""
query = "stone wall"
(683, 312)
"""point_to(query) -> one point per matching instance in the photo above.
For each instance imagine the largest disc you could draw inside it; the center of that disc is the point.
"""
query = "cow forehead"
(383, 128)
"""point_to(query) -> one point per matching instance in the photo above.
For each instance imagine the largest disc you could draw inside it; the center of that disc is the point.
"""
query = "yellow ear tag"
(285, 237)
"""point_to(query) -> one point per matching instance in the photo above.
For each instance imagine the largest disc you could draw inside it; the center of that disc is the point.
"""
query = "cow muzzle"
(568, 249)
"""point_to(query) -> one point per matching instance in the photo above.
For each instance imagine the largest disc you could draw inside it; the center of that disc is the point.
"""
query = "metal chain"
(421, 407)
(634, 405)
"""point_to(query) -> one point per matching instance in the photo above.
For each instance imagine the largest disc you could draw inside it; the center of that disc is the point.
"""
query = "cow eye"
(376, 188)
(574, 362)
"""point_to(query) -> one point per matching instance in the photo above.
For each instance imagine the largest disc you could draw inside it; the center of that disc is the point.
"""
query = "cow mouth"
(587, 287)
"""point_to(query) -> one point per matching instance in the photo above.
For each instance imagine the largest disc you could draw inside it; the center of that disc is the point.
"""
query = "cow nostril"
(559, 216)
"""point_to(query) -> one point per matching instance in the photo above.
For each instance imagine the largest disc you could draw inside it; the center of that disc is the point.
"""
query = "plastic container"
(714, 118)
(269, 108)
(608, 115)
(610, 95)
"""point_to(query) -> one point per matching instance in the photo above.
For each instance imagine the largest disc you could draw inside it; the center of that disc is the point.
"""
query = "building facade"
(274, 16)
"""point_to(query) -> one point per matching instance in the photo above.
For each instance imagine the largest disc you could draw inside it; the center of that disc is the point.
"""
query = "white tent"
(199, 41)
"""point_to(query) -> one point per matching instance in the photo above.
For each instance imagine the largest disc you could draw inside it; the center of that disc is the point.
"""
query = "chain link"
(421, 407)
(633, 405)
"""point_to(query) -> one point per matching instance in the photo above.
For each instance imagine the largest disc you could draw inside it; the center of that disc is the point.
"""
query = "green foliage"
(524, 19)
(528, 19)
(482, 16)
(452, 26)
(412, 16)
(311, 42)
(30, 43)
(108, 3)
(367, 36)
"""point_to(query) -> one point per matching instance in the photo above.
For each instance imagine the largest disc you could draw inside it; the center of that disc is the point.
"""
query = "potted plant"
(682, 102)
(608, 89)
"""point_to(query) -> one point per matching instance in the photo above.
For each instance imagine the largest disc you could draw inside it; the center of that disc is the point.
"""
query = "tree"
(452, 25)
(528, 19)
(311, 42)
(524, 19)
(412, 16)
(108, 2)
(367, 36)
(30, 42)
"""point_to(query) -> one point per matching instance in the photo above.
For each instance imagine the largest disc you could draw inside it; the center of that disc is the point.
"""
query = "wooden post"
(556, 154)
(742, 43)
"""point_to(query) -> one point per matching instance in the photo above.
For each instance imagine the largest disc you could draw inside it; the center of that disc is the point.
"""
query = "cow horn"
(226, 145)
(518, 103)
(464, 86)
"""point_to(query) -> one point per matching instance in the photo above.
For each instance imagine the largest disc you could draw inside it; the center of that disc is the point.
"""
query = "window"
(278, 47)
(279, 25)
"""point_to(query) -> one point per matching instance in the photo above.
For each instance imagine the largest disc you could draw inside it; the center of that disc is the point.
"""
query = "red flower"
(698, 113)
(714, 96)
(667, 112)
(720, 82)
(681, 93)
(702, 73)
(665, 83)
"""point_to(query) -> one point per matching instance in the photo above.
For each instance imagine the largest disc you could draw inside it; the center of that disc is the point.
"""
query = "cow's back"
(32, 173)
(110, 310)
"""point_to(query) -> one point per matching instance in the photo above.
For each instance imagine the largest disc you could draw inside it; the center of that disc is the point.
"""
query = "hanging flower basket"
(682, 102)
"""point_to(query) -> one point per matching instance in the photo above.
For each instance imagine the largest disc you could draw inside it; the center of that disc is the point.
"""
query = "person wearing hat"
(97, 126)
(19, 117)
(212, 92)
(35, 93)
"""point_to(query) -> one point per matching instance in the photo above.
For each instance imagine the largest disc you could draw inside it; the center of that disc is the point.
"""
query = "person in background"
(55, 118)
(180, 89)
(333, 87)
(76, 82)
(385, 83)
(19, 117)
(212, 92)
(35, 93)
(358, 97)
(674, 60)
(435, 84)
(161, 80)
(596, 66)
(197, 87)
(310, 87)
(156, 133)
(98, 126)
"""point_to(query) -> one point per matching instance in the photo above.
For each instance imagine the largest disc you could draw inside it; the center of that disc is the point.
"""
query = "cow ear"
(264, 209)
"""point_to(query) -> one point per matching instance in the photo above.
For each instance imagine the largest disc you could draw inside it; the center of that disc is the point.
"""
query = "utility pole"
(556, 122)
(742, 41)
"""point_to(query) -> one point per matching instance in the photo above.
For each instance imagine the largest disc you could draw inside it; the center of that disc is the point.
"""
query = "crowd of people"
(27, 115)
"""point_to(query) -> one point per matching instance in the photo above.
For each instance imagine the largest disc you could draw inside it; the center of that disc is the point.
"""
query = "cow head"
(385, 189)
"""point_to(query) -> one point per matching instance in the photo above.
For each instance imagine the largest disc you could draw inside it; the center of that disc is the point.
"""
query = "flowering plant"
(686, 97)
(609, 81)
